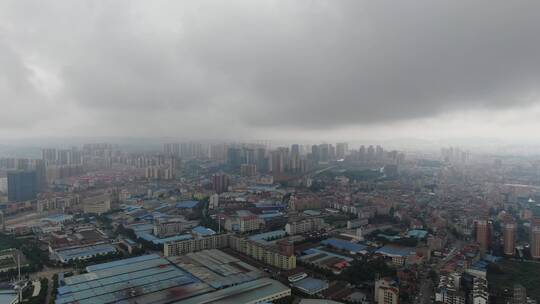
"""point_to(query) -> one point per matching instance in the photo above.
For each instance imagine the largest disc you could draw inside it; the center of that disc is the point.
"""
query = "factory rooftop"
(144, 279)
(344, 245)
(256, 291)
(85, 252)
(217, 268)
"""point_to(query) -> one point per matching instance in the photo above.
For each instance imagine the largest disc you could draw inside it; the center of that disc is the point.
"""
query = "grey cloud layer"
(264, 64)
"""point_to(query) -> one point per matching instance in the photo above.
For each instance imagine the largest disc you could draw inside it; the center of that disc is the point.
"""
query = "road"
(49, 272)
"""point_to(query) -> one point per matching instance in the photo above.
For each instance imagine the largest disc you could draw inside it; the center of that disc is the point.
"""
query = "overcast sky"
(285, 69)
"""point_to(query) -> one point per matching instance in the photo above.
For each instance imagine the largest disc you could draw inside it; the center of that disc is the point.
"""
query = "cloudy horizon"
(270, 69)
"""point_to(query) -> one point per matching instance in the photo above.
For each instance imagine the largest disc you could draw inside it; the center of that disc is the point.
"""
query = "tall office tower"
(22, 185)
(509, 235)
(535, 238)
(220, 182)
(342, 150)
(483, 234)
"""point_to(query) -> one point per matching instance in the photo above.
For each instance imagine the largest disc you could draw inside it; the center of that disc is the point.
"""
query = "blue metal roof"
(84, 252)
(417, 233)
(187, 204)
(203, 230)
(342, 244)
(392, 250)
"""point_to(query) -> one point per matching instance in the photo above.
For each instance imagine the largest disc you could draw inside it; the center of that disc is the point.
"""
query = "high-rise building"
(234, 157)
(22, 185)
(509, 235)
(248, 170)
(535, 238)
(220, 182)
(483, 234)
(386, 291)
(49, 156)
(278, 161)
(480, 291)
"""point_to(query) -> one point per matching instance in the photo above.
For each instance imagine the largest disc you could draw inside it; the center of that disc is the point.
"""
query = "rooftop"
(249, 292)
(87, 251)
(187, 204)
(345, 245)
(144, 279)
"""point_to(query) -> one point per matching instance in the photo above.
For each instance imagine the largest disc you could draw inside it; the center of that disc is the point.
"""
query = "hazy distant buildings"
(248, 170)
(22, 185)
(342, 149)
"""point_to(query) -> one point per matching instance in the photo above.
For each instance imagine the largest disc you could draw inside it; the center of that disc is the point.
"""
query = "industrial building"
(263, 290)
(143, 279)
(217, 268)
(202, 277)
(181, 247)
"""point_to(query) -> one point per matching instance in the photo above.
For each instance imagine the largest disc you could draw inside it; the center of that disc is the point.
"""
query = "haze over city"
(285, 152)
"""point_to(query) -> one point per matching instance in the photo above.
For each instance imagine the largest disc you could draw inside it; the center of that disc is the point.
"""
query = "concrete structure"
(220, 182)
(213, 201)
(304, 226)
(215, 241)
(244, 221)
(143, 279)
(279, 254)
(386, 291)
(519, 295)
(311, 286)
(97, 204)
(172, 227)
(22, 185)
(480, 292)
(448, 291)
(509, 236)
(216, 268)
(535, 238)
(82, 252)
(263, 290)
(483, 234)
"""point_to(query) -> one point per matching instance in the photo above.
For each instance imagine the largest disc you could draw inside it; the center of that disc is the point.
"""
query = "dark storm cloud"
(266, 64)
